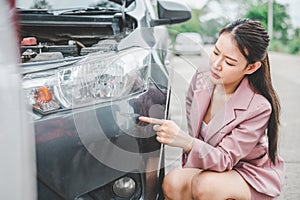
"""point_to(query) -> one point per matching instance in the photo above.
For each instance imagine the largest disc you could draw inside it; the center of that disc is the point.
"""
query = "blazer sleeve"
(234, 146)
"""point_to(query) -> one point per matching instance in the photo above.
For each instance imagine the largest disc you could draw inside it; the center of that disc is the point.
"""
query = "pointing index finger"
(152, 120)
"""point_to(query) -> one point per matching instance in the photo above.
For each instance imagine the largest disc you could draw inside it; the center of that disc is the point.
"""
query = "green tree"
(258, 10)
(294, 43)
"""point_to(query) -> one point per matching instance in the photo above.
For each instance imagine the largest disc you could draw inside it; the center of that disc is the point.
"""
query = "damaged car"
(90, 69)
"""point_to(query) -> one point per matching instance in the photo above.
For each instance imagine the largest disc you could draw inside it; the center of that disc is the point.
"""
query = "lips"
(216, 76)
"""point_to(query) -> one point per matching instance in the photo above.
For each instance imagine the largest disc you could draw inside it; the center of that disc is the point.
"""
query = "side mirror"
(171, 12)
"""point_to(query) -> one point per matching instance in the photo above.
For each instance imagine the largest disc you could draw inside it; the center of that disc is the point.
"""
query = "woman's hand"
(169, 133)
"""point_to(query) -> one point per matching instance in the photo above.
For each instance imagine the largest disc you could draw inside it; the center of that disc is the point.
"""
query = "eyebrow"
(233, 59)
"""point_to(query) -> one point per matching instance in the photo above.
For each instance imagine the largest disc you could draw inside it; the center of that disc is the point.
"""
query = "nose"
(217, 64)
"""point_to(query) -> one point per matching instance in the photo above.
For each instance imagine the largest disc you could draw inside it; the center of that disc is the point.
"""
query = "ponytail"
(262, 84)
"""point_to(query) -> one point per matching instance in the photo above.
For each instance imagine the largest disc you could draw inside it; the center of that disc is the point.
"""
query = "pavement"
(285, 71)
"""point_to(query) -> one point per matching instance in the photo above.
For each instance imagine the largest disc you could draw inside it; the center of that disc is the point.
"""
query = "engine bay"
(45, 36)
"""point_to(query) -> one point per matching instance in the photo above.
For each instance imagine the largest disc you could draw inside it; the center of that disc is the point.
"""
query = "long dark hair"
(252, 41)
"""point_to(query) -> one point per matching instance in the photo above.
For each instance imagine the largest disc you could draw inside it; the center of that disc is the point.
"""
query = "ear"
(251, 68)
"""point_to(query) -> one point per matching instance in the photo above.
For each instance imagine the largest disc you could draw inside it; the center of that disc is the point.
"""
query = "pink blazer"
(235, 138)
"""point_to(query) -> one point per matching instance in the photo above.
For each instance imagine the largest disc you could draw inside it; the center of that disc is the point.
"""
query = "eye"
(216, 53)
(228, 63)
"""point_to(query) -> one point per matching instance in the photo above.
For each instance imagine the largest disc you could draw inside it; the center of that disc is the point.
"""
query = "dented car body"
(88, 72)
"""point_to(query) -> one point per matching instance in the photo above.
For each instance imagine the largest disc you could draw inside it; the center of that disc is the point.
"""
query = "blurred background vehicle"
(188, 43)
(89, 70)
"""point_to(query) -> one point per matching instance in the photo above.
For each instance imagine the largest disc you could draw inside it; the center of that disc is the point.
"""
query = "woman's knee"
(171, 183)
(203, 185)
(177, 183)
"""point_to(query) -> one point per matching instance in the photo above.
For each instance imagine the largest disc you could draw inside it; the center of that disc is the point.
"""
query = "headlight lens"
(97, 78)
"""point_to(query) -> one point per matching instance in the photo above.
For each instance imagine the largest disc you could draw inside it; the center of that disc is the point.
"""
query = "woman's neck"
(225, 92)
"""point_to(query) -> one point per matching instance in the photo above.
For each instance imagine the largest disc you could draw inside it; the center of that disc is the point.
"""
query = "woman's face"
(227, 63)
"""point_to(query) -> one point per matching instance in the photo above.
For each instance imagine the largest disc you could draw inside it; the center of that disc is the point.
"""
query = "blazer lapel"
(239, 101)
(200, 102)
(198, 109)
(221, 119)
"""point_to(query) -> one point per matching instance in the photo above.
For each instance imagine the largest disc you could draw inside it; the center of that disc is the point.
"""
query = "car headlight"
(97, 78)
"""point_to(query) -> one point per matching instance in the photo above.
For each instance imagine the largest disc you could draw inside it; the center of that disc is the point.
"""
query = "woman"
(233, 117)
